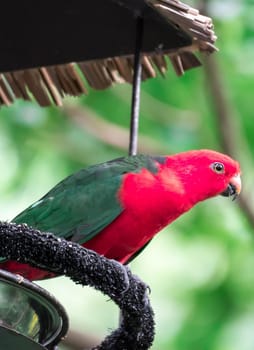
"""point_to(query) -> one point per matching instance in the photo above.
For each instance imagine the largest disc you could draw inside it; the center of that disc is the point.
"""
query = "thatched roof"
(93, 52)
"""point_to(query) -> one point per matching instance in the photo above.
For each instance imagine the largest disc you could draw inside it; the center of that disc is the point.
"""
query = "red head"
(206, 173)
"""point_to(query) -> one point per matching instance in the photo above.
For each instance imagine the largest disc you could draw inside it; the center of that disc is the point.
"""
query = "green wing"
(84, 203)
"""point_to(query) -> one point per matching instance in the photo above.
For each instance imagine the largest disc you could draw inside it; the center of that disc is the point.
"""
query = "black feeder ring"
(30, 317)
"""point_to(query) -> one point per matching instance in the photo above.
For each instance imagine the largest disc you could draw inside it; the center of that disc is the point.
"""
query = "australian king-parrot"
(115, 208)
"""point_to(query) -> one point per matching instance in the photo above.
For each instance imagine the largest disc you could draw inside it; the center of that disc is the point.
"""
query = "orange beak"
(236, 182)
(234, 187)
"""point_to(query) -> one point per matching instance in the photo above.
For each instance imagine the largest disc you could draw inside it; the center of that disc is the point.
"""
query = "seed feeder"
(30, 318)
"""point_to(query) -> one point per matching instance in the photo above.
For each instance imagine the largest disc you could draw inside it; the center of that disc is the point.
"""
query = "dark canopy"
(42, 41)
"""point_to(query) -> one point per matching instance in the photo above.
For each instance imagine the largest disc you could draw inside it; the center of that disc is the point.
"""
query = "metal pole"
(135, 101)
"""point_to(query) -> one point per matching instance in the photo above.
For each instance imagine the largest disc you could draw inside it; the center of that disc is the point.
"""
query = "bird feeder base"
(30, 317)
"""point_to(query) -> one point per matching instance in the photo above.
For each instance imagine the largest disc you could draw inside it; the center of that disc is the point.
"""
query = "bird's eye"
(218, 167)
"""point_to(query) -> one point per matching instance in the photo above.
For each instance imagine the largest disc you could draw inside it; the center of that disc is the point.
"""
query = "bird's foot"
(147, 290)
(125, 270)
(20, 278)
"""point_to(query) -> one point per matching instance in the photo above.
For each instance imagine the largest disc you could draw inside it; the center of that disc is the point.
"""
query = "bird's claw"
(147, 290)
(125, 269)
(20, 279)
(126, 280)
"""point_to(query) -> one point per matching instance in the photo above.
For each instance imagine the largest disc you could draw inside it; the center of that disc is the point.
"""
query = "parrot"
(115, 208)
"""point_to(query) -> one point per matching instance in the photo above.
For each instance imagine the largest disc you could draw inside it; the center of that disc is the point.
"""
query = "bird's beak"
(234, 187)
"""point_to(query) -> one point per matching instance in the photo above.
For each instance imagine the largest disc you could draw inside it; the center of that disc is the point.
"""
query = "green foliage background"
(200, 269)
